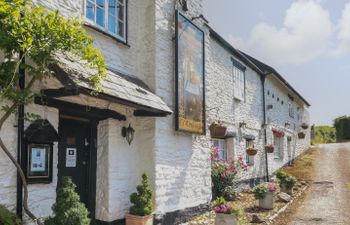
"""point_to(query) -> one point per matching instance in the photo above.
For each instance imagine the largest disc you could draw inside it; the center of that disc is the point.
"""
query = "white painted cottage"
(138, 42)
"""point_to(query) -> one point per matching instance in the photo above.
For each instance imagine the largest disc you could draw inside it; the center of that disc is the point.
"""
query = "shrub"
(68, 209)
(230, 193)
(142, 200)
(8, 218)
(223, 172)
(286, 179)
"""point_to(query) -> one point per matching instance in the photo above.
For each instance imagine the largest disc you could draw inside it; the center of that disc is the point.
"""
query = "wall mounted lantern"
(269, 107)
(128, 133)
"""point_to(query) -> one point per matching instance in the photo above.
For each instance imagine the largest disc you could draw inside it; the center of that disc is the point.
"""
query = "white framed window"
(291, 110)
(107, 15)
(238, 83)
(278, 143)
(221, 145)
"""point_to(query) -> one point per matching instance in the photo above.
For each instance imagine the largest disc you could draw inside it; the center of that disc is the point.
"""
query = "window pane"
(111, 7)
(111, 24)
(90, 10)
(121, 28)
(100, 13)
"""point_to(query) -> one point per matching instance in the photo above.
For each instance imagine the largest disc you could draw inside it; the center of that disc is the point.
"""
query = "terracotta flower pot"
(139, 220)
(225, 219)
(269, 149)
(217, 130)
(267, 201)
(252, 151)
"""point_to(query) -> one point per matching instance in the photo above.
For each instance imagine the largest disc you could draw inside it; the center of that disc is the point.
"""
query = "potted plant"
(252, 150)
(301, 135)
(269, 148)
(264, 193)
(225, 213)
(217, 130)
(304, 126)
(287, 182)
(278, 133)
(141, 211)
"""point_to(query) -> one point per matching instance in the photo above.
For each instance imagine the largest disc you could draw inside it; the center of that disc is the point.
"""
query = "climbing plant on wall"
(29, 38)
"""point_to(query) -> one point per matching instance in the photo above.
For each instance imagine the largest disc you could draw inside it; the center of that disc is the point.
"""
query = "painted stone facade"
(177, 163)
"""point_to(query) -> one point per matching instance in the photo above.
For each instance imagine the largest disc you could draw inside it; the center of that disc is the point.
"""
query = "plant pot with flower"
(264, 193)
(141, 211)
(269, 148)
(278, 133)
(225, 214)
(252, 151)
(217, 130)
(287, 182)
(301, 135)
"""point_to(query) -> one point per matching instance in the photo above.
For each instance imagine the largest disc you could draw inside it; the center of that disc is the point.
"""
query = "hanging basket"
(301, 135)
(269, 148)
(251, 151)
(217, 130)
(304, 126)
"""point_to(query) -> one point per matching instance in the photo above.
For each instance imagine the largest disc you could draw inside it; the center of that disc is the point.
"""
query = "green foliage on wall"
(324, 134)
(68, 209)
(7, 217)
(342, 126)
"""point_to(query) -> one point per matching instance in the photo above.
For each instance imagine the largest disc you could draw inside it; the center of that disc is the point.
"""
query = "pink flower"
(272, 187)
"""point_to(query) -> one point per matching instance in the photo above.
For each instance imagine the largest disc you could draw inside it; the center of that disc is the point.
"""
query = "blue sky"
(307, 41)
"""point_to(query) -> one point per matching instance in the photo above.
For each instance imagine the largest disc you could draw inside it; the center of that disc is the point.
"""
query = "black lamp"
(183, 3)
(128, 133)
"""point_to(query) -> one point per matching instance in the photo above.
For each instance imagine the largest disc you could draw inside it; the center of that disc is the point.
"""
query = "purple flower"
(272, 187)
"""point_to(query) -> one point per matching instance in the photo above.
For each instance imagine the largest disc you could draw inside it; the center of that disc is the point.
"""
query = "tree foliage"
(7, 217)
(142, 200)
(68, 209)
(324, 135)
(342, 126)
(39, 34)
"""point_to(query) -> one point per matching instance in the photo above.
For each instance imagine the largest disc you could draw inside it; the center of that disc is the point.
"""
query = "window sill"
(89, 25)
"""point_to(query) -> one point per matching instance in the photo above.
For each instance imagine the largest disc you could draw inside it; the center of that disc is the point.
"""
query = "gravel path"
(328, 199)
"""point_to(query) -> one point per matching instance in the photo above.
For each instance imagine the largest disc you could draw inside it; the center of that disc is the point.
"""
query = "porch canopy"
(71, 87)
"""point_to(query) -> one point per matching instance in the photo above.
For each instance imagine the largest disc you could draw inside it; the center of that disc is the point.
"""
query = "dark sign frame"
(39, 176)
(181, 19)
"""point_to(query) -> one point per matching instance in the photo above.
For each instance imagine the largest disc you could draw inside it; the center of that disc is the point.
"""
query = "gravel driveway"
(328, 199)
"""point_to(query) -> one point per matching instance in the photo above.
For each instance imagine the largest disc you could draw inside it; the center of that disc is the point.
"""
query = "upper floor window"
(238, 80)
(108, 15)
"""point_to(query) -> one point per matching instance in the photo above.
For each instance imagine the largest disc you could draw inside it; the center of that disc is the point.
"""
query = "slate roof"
(258, 66)
(123, 89)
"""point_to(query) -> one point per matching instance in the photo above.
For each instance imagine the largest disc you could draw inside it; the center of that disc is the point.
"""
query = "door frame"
(91, 178)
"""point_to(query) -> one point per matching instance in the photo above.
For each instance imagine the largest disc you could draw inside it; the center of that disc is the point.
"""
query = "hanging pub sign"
(39, 138)
(189, 69)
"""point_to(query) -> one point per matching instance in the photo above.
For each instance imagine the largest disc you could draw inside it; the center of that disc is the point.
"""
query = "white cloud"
(305, 34)
(343, 34)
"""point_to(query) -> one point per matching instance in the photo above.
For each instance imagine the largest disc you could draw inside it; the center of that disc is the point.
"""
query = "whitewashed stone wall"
(278, 116)
(182, 162)
(221, 106)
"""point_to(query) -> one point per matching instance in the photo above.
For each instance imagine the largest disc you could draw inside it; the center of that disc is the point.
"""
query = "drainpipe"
(263, 78)
(20, 132)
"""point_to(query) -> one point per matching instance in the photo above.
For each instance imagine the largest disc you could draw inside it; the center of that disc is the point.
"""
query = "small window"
(238, 72)
(273, 96)
(221, 144)
(108, 15)
(278, 99)
(278, 143)
(291, 110)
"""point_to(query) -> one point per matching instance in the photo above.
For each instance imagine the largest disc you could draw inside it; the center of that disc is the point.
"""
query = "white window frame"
(291, 110)
(279, 144)
(106, 14)
(238, 83)
(221, 143)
